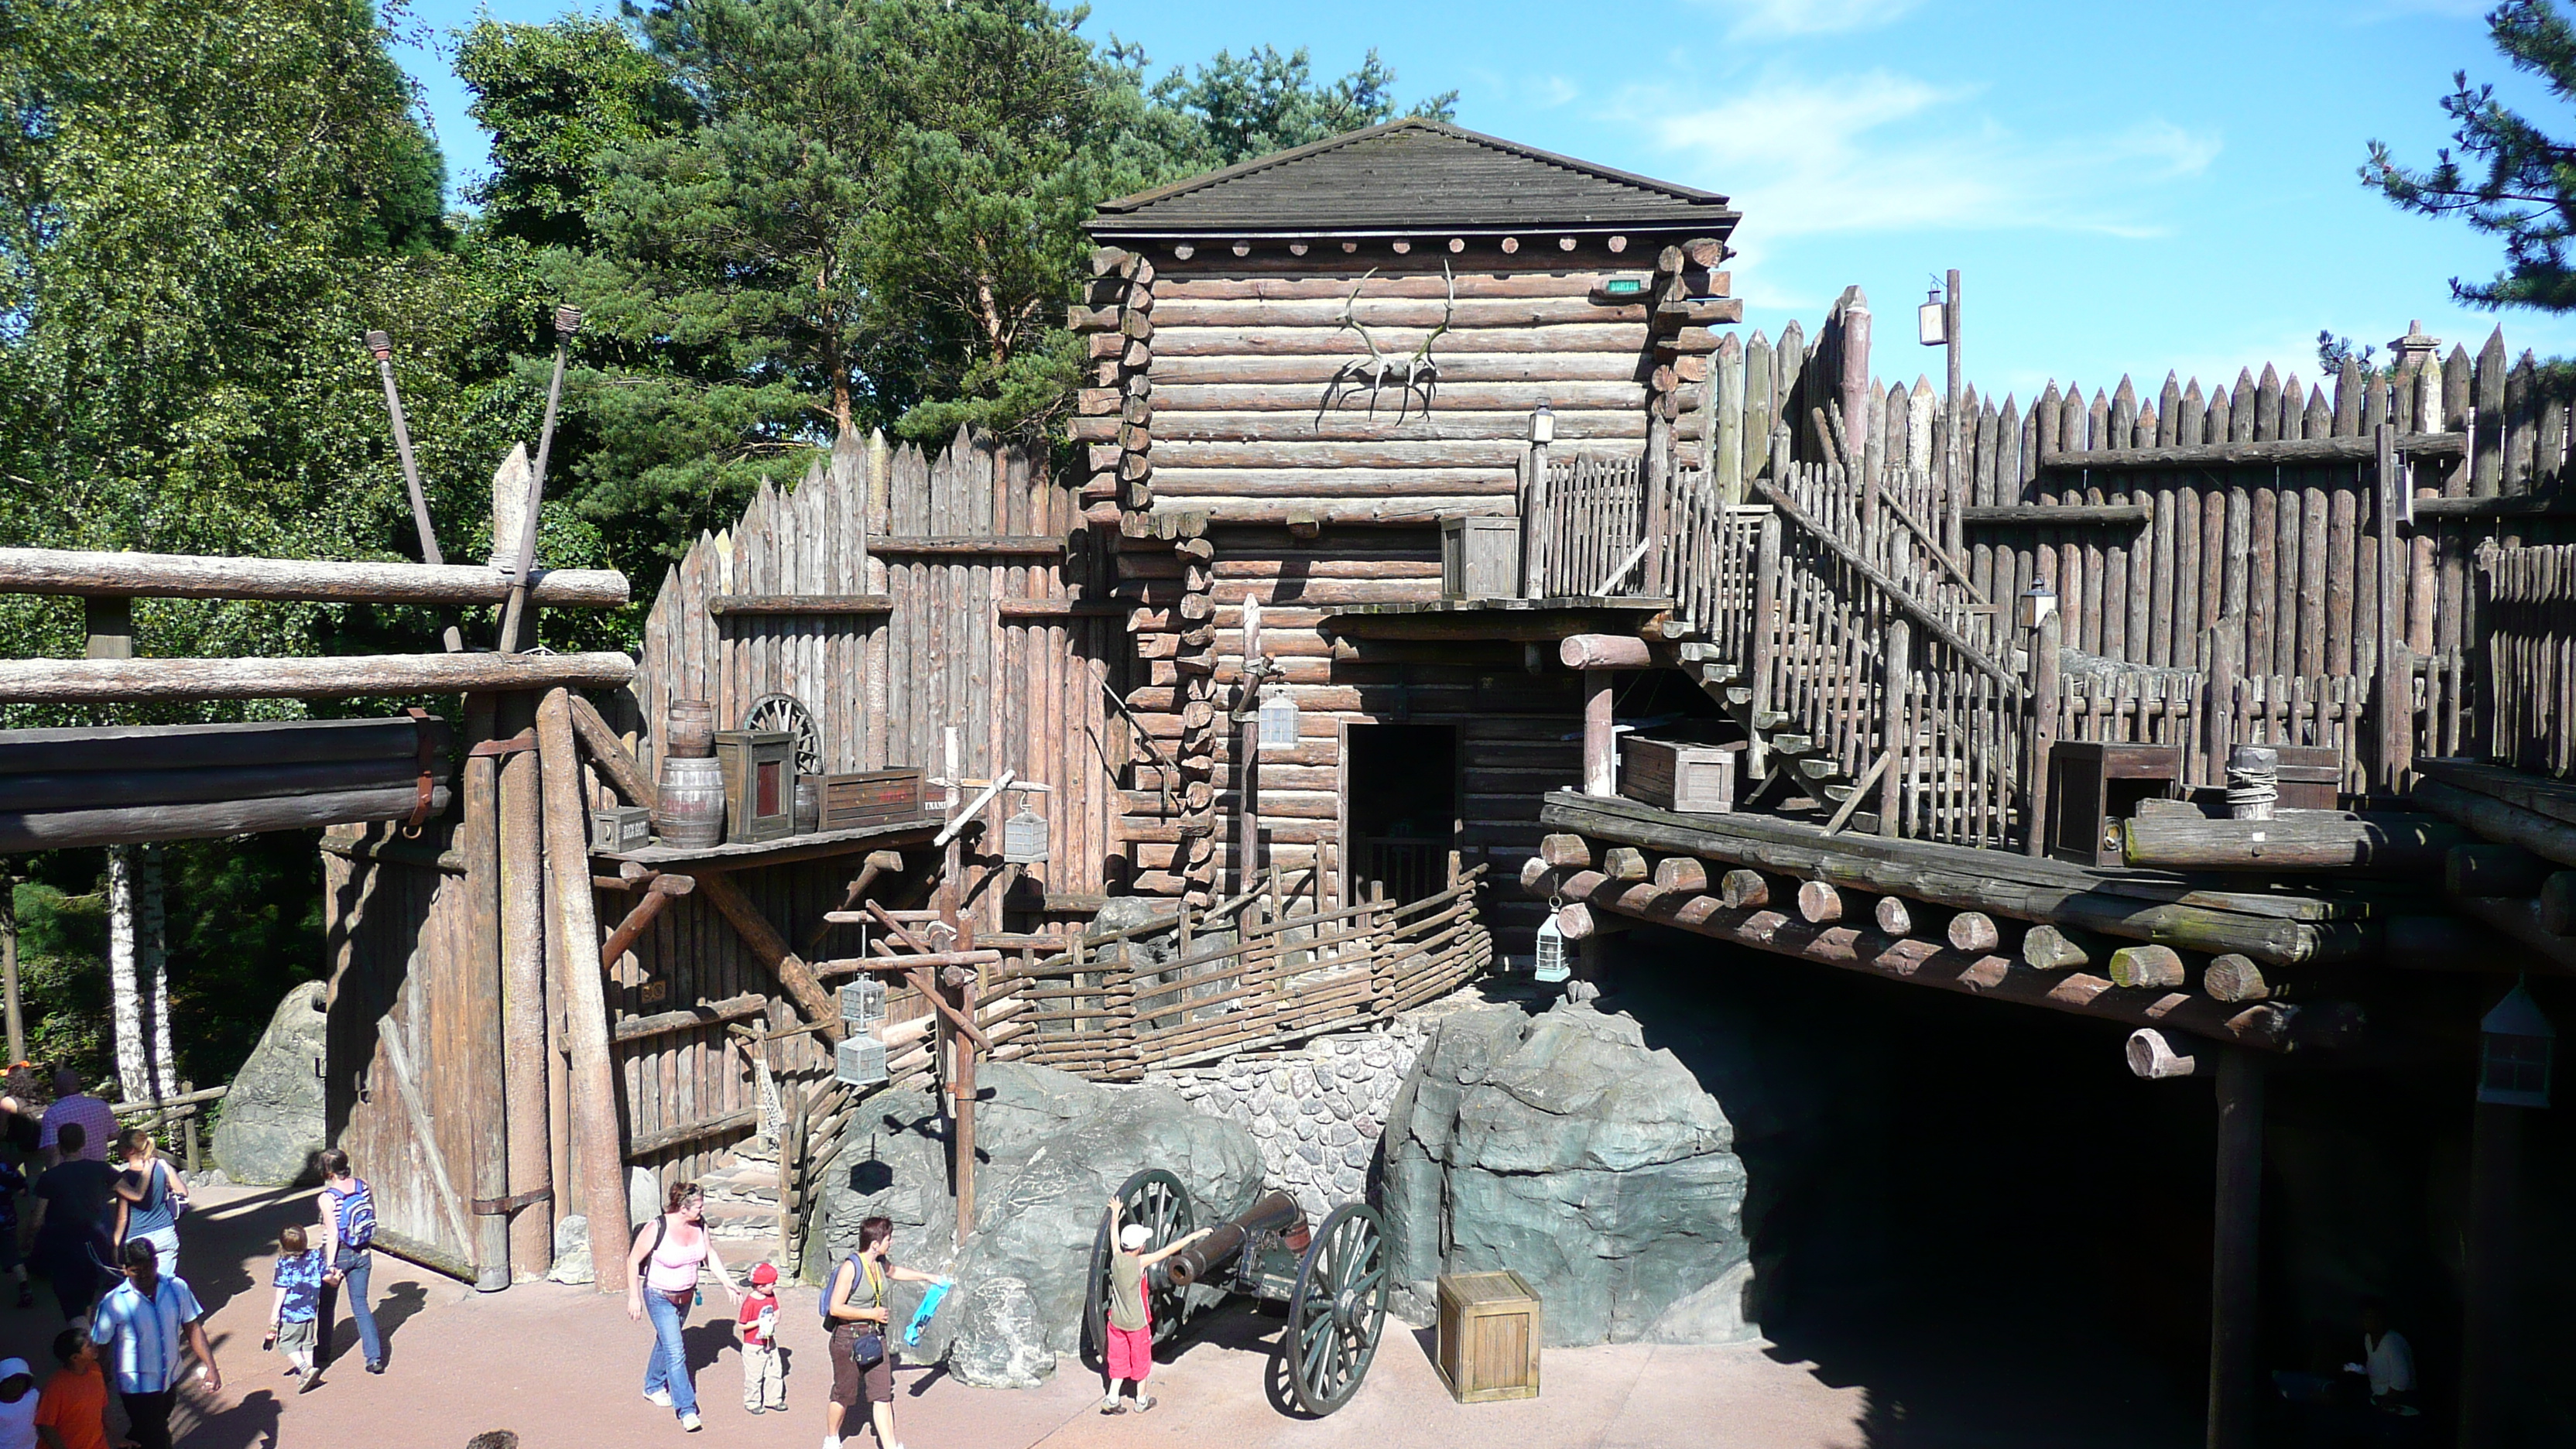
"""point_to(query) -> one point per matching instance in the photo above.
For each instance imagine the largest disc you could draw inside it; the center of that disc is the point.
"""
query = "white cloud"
(1884, 152)
(1552, 91)
(1769, 19)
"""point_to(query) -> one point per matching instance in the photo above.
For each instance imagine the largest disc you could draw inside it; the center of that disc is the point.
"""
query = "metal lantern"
(859, 1061)
(1278, 721)
(2035, 605)
(1024, 838)
(2514, 1046)
(1932, 319)
(1550, 961)
(863, 1002)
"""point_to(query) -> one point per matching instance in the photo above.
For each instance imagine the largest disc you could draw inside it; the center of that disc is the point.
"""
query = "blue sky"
(2125, 188)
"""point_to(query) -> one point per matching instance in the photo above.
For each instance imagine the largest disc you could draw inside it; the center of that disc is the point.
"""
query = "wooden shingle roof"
(1411, 177)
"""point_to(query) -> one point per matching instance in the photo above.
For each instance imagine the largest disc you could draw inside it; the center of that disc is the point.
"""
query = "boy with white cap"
(1129, 1354)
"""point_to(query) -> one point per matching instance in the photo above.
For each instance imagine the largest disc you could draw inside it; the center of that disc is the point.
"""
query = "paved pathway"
(563, 1367)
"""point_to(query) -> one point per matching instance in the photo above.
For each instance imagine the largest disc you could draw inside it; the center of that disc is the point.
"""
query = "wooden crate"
(1681, 775)
(1480, 557)
(874, 797)
(1489, 1337)
(2311, 777)
(760, 784)
(621, 828)
(2094, 785)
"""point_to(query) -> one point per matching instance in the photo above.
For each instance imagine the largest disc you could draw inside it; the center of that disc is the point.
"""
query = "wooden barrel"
(691, 811)
(809, 804)
(692, 734)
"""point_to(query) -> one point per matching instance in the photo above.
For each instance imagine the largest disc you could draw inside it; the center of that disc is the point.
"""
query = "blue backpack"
(357, 1217)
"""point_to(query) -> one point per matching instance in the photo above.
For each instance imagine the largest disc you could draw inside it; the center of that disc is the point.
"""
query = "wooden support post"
(478, 839)
(188, 1130)
(1654, 579)
(1764, 645)
(598, 1150)
(1895, 723)
(1600, 743)
(817, 1005)
(2044, 691)
(879, 864)
(17, 1021)
(1247, 762)
(2490, 1331)
(608, 754)
(2234, 1350)
(526, 1096)
(2394, 691)
(964, 1088)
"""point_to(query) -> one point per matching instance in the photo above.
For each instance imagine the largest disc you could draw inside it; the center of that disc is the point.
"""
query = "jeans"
(165, 1243)
(353, 1267)
(668, 1368)
(150, 1416)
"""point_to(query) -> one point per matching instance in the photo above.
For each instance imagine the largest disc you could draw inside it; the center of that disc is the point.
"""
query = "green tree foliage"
(1261, 101)
(2503, 173)
(555, 98)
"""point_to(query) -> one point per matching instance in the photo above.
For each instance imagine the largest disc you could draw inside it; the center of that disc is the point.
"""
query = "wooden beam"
(62, 829)
(194, 576)
(2493, 870)
(2549, 838)
(1898, 595)
(648, 1143)
(608, 754)
(2353, 449)
(2056, 515)
(110, 748)
(770, 950)
(1063, 608)
(595, 1146)
(523, 1015)
(2319, 840)
(879, 863)
(147, 681)
(737, 606)
(664, 890)
(705, 1014)
(1020, 544)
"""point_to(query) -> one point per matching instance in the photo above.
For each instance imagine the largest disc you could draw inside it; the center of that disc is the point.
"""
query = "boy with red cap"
(764, 1378)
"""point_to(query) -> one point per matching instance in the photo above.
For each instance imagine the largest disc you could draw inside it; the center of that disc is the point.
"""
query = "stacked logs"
(1194, 659)
(1116, 412)
(1690, 301)
(2144, 984)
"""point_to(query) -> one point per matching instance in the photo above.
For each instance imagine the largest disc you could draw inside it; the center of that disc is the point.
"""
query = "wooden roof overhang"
(1412, 178)
(2312, 935)
(1503, 620)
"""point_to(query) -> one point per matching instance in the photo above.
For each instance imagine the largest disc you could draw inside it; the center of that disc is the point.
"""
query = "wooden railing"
(1585, 527)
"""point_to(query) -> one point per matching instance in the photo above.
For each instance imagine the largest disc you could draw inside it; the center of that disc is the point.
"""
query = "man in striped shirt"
(147, 1319)
(97, 1120)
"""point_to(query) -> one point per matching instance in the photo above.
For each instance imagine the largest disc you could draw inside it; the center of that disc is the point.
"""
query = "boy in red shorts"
(1129, 1354)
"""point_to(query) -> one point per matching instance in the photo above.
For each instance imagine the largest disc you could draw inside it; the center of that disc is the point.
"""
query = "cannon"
(1331, 1278)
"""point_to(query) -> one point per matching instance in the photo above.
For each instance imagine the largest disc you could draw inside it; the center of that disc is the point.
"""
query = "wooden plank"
(970, 545)
(140, 681)
(2272, 450)
(195, 576)
(804, 606)
(2058, 515)
(593, 1077)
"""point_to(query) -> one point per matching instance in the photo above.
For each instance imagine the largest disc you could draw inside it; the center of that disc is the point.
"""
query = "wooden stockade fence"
(2528, 656)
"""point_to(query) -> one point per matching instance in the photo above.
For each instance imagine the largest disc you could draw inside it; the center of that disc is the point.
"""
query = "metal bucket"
(692, 733)
(691, 811)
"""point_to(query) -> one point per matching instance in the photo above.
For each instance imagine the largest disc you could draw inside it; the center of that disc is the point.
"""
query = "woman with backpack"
(149, 1198)
(662, 1277)
(854, 1308)
(348, 1219)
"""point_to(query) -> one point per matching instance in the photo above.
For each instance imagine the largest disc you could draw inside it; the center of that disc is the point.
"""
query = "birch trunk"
(133, 1044)
(152, 960)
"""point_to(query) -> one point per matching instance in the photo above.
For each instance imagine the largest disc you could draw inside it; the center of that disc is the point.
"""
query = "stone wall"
(1316, 1112)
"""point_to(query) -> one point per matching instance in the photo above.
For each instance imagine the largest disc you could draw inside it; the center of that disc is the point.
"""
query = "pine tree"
(2508, 178)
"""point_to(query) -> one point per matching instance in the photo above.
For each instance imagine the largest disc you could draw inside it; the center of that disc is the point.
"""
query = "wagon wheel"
(1337, 1310)
(1159, 1201)
(786, 714)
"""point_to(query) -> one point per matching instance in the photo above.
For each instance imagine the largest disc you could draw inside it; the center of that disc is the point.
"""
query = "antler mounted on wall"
(1416, 377)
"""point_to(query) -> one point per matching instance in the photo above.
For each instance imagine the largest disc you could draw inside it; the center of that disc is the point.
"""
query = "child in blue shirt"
(294, 1327)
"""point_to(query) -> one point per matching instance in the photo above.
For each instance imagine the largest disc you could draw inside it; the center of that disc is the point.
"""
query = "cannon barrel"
(1273, 1213)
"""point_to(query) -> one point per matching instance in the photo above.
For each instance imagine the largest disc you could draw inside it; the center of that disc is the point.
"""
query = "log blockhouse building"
(1445, 584)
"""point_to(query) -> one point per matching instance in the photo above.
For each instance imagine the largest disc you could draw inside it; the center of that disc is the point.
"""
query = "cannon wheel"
(1159, 1201)
(1338, 1309)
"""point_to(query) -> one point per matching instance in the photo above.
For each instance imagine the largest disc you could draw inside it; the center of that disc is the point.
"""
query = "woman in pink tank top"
(662, 1279)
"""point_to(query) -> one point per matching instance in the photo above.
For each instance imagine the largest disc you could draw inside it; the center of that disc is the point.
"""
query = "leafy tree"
(554, 98)
(1261, 101)
(2508, 178)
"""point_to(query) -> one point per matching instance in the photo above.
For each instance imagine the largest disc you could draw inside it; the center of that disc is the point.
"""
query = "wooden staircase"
(742, 1211)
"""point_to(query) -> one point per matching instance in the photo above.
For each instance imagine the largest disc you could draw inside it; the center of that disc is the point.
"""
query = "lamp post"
(1937, 322)
(2036, 612)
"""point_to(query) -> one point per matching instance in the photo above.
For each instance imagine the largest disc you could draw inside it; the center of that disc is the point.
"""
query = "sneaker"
(831, 1441)
(311, 1378)
(1145, 1401)
(1113, 1406)
(690, 1421)
(377, 1367)
(658, 1398)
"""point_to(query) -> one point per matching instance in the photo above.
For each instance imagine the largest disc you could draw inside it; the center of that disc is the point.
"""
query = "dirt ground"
(564, 1368)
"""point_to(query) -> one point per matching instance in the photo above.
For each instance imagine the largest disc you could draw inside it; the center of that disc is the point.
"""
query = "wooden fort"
(1446, 582)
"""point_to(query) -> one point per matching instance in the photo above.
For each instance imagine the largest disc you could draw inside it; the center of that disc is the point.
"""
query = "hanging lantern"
(1932, 320)
(1278, 721)
(863, 1002)
(859, 1060)
(2514, 1046)
(1550, 962)
(1024, 838)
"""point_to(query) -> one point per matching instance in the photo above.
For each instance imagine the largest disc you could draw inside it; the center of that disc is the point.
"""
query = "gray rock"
(1564, 1149)
(643, 1196)
(1051, 1147)
(1000, 1344)
(572, 1252)
(273, 1121)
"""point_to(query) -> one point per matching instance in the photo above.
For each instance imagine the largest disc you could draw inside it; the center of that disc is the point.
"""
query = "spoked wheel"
(1156, 1199)
(1339, 1308)
(786, 714)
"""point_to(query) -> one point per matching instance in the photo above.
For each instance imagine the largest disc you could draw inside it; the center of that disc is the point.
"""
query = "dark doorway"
(1402, 799)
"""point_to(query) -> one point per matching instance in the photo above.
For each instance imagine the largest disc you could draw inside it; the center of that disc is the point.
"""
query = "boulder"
(1564, 1149)
(1050, 1149)
(272, 1122)
(572, 1251)
(999, 1343)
